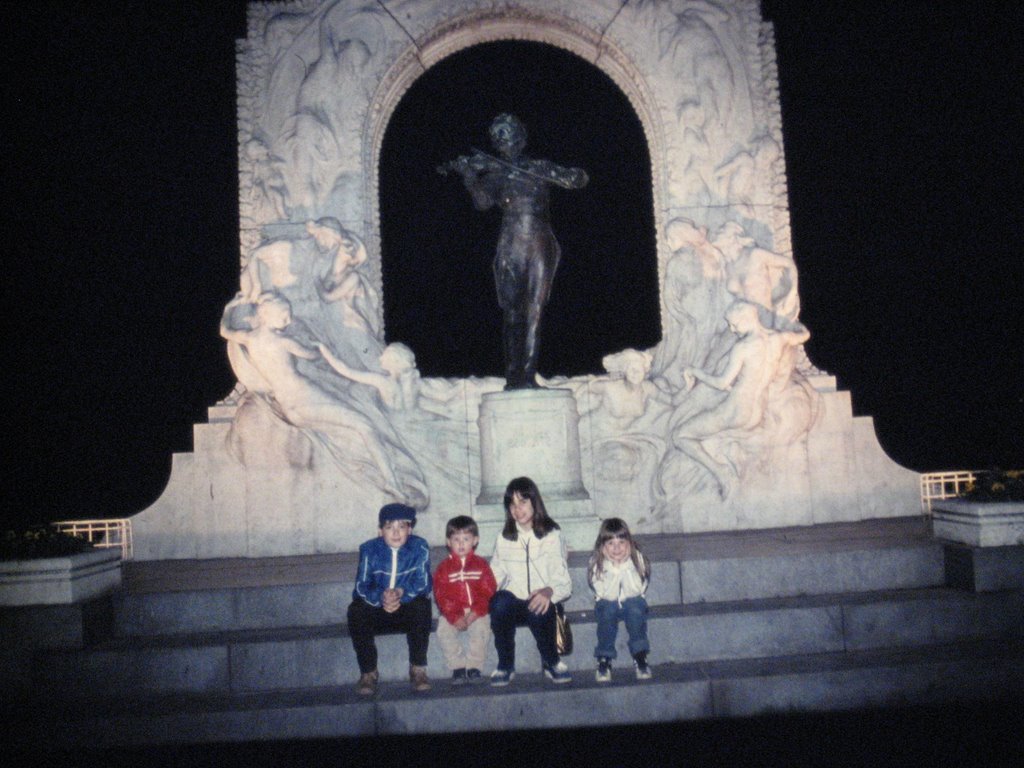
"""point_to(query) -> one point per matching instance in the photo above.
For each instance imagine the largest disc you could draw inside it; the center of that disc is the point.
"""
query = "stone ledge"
(59, 580)
(979, 523)
(960, 672)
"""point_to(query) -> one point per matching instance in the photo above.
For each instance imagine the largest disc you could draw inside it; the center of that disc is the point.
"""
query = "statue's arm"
(232, 334)
(369, 378)
(342, 289)
(298, 350)
(568, 178)
(723, 381)
(483, 186)
(799, 336)
(656, 393)
(252, 284)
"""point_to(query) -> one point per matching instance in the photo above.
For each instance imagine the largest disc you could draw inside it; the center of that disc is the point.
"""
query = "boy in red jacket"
(463, 586)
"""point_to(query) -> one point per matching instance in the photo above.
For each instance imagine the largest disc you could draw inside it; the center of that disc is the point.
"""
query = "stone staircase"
(821, 618)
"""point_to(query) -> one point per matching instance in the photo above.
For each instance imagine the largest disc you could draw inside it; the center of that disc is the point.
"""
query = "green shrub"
(996, 485)
(40, 541)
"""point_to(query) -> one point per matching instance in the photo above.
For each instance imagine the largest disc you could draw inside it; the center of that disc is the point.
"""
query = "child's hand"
(392, 599)
(540, 600)
(462, 624)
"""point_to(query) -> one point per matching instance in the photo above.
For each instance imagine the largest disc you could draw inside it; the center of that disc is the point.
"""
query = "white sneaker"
(643, 671)
(502, 677)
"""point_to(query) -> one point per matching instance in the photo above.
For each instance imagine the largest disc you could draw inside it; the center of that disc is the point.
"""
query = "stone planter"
(979, 523)
(56, 580)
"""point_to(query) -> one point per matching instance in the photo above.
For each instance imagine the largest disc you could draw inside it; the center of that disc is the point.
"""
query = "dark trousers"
(508, 612)
(366, 622)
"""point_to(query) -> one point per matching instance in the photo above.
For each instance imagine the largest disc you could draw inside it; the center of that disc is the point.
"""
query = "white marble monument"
(723, 425)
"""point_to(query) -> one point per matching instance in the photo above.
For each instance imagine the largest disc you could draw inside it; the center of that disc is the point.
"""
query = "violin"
(481, 162)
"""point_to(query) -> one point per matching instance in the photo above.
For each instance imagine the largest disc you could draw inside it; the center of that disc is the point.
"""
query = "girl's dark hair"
(542, 522)
(613, 528)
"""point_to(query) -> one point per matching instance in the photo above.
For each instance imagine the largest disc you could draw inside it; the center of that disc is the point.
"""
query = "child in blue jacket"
(392, 594)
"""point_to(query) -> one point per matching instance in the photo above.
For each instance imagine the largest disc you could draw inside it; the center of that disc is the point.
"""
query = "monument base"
(530, 433)
(533, 433)
(216, 507)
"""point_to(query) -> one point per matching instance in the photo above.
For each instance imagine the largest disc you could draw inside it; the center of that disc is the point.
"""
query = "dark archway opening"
(437, 249)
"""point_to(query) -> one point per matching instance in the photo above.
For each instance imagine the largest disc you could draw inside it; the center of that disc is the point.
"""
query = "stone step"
(686, 570)
(934, 674)
(267, 660)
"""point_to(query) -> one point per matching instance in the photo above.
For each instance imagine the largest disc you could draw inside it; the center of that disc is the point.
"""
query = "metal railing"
(936, 486)
(101, 533)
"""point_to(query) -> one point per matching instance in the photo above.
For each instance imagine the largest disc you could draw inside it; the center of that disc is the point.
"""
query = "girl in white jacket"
(619, 575)
(529, 564)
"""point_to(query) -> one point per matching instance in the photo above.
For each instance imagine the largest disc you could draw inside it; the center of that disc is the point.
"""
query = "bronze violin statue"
(527, 253)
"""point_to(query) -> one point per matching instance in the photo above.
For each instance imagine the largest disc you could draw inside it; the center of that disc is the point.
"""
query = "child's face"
(396, 532)
(617, 549)
(521, 509)
(462, 543)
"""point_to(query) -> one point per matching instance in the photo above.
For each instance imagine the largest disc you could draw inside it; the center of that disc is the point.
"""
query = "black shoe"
(474, 676)
(459, 676)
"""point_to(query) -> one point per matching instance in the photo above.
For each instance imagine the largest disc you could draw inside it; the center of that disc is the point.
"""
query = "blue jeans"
(508, 612)
(633, 613)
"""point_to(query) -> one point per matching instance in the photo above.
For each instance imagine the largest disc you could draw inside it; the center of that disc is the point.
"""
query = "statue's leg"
(531, 345)
(514, 333)
(541, 270)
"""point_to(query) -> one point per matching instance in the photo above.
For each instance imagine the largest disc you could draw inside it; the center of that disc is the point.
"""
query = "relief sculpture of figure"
(626, 412)
(527, 253)
(695, 300)
(756, 361)
(398, 386)
(758, 275)
(624, 398)
(353, 436)
(321, 272)
(344, 284)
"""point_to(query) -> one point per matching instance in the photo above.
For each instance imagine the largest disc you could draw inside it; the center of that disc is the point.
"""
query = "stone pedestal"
(979, 524)
(533, 433)
(60, 580)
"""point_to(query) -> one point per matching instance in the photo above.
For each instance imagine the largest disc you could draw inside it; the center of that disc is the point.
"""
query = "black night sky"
(903, 137)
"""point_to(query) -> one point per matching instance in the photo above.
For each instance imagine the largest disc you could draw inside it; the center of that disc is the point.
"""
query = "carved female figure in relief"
(754, 363)
(624, 398)
(305, 404)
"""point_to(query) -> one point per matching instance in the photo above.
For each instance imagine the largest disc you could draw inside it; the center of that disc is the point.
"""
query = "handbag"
(563, 631)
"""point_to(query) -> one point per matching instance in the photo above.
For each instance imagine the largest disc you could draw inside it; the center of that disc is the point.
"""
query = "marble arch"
(724, 425)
